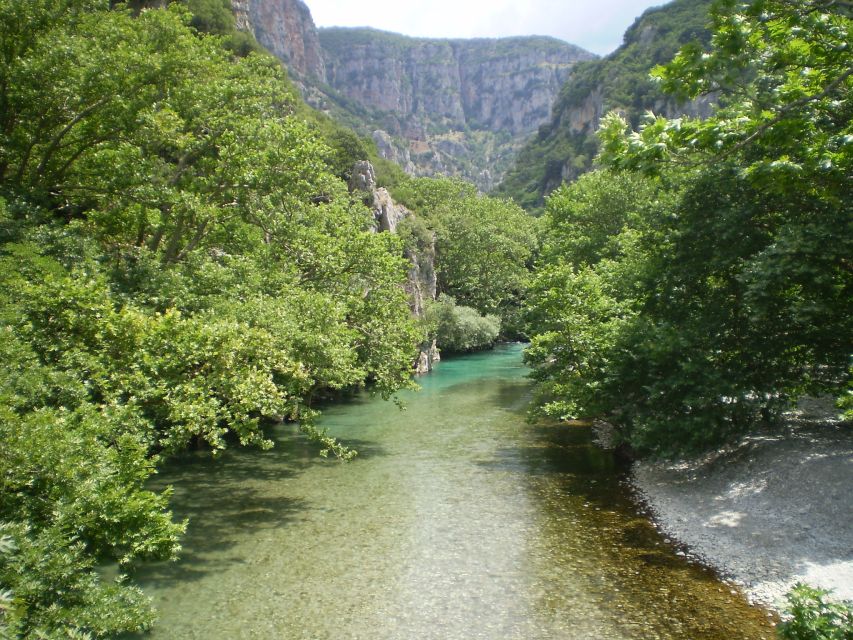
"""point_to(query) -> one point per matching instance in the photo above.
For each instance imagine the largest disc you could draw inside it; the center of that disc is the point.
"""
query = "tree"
(178, 266)
(744, 297)
(483, 244)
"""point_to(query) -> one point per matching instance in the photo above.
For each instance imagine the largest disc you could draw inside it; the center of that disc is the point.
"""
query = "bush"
(813, 617)
(461, 329)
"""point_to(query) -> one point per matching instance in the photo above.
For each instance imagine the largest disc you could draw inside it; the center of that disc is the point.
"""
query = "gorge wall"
(565, 147)
(286, 29)
(450, 107)
(497, 85)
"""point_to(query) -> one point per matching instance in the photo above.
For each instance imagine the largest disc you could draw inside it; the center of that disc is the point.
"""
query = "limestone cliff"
(451, 107)
(287, 30)
(565, 147)
(505, 84)
(422, 283)
(447, 107)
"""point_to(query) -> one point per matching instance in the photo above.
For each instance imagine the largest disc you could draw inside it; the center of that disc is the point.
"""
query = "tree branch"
(787, 108)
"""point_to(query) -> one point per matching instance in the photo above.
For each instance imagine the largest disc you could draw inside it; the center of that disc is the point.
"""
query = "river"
(457, 521)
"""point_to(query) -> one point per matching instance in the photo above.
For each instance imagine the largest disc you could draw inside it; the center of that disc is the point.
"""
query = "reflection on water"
(457, 521)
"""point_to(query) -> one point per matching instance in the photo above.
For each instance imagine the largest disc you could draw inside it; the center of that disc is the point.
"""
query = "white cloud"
(596, 25)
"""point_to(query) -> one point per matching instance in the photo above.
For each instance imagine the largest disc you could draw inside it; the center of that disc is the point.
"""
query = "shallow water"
(457, 521)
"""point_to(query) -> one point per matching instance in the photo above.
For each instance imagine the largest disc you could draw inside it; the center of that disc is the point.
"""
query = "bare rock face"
(387, 213)
(390, 150)
(422, 283)
(442, 107)
(363, 177)
(449, 107)
(287, 30)
(506, 84)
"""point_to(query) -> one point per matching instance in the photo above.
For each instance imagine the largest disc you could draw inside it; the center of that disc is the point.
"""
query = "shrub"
(461, 329)
(814, 617)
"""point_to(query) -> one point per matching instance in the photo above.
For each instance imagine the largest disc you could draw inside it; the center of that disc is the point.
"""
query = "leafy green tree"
(813, 616)
(483, 245)
(600, 234)
(428, 195)
(179, 265)
(73, 472)
(461, 329)
(741, 299)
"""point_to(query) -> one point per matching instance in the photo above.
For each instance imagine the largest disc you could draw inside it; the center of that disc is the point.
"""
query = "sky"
(595, 25)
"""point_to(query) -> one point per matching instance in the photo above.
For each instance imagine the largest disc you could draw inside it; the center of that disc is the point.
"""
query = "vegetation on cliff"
(702, 282)
(483, 247)
(566, 147)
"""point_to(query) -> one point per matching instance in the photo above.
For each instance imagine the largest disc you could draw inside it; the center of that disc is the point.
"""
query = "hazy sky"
(596, 25)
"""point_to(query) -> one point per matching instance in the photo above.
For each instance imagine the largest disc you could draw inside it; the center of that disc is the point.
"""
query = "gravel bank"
(774, 510)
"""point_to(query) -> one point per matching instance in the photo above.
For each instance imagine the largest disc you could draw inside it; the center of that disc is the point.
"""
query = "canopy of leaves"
(723, 291)
(483, 245)
(179, 264)
(459, 329)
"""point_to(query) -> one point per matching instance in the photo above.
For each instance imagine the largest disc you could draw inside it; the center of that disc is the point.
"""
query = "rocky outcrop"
(391, 150)
(386, 212)
(422, 283)
(287, 30)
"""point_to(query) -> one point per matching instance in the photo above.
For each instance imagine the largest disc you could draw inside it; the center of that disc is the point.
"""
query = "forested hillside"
(700, 282)
(565, 147)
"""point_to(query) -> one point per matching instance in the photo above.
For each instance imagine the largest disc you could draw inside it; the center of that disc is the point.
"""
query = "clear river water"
(459, 520)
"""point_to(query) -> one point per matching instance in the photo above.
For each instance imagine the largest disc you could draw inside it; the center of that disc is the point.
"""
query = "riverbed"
(458, 520)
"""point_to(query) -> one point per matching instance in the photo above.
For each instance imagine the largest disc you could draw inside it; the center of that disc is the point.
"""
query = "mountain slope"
(564, 148)
(449, 107)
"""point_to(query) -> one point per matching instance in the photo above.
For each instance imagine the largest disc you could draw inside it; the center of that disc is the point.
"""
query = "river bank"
(769, 512)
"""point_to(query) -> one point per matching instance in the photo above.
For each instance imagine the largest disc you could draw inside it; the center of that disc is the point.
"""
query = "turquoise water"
(458, 520)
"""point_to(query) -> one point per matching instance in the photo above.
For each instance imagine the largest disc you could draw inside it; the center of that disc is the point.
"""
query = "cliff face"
(287, 30)
(448, 107)
(421, 283)
(506, 85)
(564, 148)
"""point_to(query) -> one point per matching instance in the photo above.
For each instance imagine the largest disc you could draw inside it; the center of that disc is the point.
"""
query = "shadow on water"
(222, 500)
(241, 494)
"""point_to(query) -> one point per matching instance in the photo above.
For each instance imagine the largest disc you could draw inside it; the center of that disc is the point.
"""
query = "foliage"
(179, 265)
(728, 293)
(588, 286)
(482, 245)
(814, 617)
(72, 497)
(427, 195)
(461, 329)
(845, 402)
